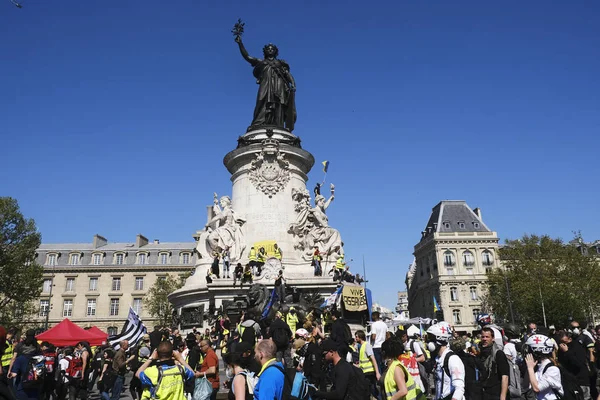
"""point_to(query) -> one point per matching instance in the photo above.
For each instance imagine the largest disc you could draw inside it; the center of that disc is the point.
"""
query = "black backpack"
(35, 372)
(360, 386)
(473, 368)
(571, 389)
(348, 339)
(295, 384)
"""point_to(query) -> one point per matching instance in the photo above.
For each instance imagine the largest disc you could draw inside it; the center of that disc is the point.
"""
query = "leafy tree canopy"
(20, 276)
(157, 301)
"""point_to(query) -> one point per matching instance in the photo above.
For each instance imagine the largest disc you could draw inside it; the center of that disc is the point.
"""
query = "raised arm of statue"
(252, 60)
(328, 202)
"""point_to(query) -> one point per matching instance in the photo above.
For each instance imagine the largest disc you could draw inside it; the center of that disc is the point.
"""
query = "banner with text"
(354, 298)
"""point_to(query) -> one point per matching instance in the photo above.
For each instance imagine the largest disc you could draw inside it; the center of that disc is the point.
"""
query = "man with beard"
(495, 376)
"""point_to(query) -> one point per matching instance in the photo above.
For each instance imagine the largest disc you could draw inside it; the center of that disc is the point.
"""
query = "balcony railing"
(449, 263)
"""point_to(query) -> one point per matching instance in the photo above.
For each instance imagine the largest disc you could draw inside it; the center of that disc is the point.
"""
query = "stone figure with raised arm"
(275, 101)
(311, 227)
(225, 229)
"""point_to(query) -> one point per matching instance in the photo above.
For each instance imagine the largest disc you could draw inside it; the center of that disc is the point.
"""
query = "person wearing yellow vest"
(271, 377)
(165, 379)
(253, 259)
(398, 384)
(292, 319)
(7, 355)
(367, 362)
(339, 269)
(277, 252)
(261, 259)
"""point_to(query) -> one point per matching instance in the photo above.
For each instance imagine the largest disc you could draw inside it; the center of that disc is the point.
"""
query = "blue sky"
(116, 115)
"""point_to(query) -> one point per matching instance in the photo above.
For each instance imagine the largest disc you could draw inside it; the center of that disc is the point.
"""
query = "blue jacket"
(270, 383)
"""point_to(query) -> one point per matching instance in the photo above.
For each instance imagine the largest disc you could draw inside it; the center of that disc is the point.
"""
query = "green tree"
(543, 276)
(20, 276)
(157, 300)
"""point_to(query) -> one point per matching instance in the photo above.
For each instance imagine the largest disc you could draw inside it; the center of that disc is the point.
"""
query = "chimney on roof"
(156, 241)
(99, 241)
(141, 240)
(477, 212)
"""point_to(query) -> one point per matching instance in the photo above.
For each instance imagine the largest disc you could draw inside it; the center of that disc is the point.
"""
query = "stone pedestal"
(267, 168)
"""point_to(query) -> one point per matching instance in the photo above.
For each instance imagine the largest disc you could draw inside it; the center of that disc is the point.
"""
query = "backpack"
(571, 389)
(360, 387)
(35, 373)
(348, 338)
(50, 361)
(295, 384)
(473, 367)
(75, 368)
(514, 379)
(251, 381)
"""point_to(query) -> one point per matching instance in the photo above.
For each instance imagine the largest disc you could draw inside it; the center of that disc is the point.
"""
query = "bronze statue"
(275, 105)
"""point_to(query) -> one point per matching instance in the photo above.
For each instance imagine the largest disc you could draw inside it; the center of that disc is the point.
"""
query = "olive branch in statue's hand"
(238, 30)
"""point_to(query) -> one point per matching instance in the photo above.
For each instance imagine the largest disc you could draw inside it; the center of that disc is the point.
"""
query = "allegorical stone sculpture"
(270, 171)
(275, 105)
(311, 228)
(223, 230)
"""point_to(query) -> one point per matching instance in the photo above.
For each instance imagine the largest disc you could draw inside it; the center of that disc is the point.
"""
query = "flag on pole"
(436, 306)
(267, 308)
(132, 331)
(325, 166)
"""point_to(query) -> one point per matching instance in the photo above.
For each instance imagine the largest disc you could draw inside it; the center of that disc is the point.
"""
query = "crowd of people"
(266, 363)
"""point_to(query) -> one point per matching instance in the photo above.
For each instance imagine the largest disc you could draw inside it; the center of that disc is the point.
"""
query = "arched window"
(453, 294)
(473, 293)
(468, 259)
(112, 330)
(449, 259)
(487, 258)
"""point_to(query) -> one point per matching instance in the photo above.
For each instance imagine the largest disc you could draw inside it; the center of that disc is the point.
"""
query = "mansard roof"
(454, 216)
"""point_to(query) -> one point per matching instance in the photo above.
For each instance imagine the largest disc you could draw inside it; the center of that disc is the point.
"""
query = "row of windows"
(93, 284)
(118, 259)
(468, 259)
(457, 319)
(460, 224)
(91, 307)
(473, 295)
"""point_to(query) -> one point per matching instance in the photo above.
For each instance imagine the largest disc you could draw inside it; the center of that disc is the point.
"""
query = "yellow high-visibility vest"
(7, 356)
(252, 255)
(292, 320)
(171, 385)
(391, 388)
(365, 362)
(262, 257)
(278, 253)
(339, 264)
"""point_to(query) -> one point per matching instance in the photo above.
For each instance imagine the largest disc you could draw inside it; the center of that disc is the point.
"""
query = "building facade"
(96, 283)
(402, 305)
(455, 252)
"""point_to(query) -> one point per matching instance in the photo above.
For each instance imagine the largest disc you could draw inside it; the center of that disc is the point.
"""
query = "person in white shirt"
(449, 373)
(545, 379)
(378, 332)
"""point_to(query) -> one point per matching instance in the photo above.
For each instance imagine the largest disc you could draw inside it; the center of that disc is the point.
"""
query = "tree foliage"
(157, 301)
(540, 269)
(20, 276)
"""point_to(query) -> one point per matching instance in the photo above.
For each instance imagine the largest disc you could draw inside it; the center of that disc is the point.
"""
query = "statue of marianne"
(275, 102)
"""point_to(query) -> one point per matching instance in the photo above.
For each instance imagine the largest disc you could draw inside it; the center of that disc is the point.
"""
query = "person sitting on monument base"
(247, 277)
(238, 272)
(253, 259)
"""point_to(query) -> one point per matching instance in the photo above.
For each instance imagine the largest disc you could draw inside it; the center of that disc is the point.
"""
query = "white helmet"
(303, 333)
(441, 331)
(540, 344)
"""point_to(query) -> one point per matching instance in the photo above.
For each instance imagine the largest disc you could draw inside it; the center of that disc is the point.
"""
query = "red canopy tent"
(67, 333)
(97, 331)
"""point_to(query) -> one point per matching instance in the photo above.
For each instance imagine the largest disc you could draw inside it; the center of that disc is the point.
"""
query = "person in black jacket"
(155, 337)
(340, 333)
(572, 356)
(342, 372)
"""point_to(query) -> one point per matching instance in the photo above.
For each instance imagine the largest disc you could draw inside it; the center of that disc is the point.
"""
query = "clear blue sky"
(115, 115)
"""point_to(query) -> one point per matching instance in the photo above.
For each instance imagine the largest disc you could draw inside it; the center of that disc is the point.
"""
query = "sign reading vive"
(354, 298)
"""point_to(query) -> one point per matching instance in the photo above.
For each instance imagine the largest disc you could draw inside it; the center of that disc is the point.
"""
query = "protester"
(367, 361)
(397, 382)
(572, 357)
(342, 372)
(119, 367)
(496, 378)
(271, 376)
(209, 367)
(107, 375)
(237, 363)
(378, 336)
(543, 374)
(172, 375)
(450, 381)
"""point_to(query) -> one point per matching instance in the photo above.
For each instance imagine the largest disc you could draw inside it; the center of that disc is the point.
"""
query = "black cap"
(329, 345)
